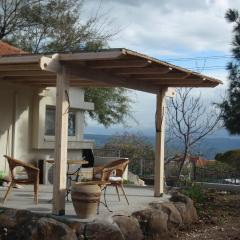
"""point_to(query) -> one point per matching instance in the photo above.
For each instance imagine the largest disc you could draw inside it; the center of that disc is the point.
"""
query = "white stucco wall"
(27, 123)
(6, 102)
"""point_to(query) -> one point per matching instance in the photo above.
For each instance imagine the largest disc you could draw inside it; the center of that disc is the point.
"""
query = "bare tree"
(190, 120)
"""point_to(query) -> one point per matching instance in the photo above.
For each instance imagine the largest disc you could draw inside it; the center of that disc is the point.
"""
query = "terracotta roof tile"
(7, 49)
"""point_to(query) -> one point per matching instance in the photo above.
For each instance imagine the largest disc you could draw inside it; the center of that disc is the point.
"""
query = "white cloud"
(154, 26)
(170, 28)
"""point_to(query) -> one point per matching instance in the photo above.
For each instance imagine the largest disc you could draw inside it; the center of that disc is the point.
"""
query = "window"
(50, 122)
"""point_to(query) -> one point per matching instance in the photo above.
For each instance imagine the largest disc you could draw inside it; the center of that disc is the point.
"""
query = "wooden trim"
(87, 56)
(20, 59)
(159, 152)
(145, 70)
(119, 64)
(32, 73)
(170, 76)
(61, 143)
(20, 67)
(108, 78)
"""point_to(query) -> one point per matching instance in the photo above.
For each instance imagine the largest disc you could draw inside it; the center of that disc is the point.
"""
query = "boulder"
(185, 207)
(153, 223)
(47, 229)
(101, 230)
(24, 216)
(158, 225)
(129, 227)
(174, 216)
(8, 218)
(78, 229)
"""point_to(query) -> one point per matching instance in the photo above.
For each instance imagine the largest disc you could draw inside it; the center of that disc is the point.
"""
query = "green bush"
(2, 174)
(232, 158)
(195, 192)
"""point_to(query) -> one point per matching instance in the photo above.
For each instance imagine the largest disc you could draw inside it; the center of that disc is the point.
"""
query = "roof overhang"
(106, 68)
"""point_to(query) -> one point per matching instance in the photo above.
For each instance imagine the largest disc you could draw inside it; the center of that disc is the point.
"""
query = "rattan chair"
(111, 174)
(32, 176)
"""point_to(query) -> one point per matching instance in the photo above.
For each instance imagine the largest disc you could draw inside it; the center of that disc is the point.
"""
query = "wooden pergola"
(107, 68)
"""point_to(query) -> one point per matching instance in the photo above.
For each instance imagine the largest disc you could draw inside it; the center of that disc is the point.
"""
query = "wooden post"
(61, 142)
(159, 151)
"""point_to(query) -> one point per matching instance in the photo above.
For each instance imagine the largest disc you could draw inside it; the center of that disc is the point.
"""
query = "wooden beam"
(61, 142)
(170, 76)
(25, 73)
(109, 79)
(171, 92)
(118, 64)
(50, 64)
(24, 59)
(88, 56)
(30, 78)
(19, 67)
(144, 70)
(159, 152)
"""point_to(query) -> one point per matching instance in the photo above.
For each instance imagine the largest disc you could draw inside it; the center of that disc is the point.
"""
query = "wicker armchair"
(32, 176)
(111, 174)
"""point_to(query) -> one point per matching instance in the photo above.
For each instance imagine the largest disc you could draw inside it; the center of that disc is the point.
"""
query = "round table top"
(80, 161)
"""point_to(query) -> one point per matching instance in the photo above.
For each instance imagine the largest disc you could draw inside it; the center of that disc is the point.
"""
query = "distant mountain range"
(207, 147)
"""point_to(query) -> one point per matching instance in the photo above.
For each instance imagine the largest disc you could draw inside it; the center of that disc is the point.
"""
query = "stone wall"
(158, 221)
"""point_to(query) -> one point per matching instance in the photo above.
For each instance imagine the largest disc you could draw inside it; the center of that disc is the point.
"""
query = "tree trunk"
(182, 163)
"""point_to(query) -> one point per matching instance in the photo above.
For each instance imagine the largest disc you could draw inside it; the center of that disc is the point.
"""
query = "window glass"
(50, 122)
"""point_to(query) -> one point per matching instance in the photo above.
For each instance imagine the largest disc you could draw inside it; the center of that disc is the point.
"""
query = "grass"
(195, 192)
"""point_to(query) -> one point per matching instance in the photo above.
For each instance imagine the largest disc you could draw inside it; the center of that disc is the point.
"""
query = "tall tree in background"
(190, 120)
(40, 26)
(231, 106)
(137, 148)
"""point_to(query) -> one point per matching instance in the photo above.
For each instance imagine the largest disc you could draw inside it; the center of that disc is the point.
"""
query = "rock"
(178, 197)
(78, 229)
(129, 227)
(8, 218)
(158, 225)
(174, 216)
(102, 231)
(153, 223)
(47, 229)
(186, 208)
(24, 217)
(143, 219)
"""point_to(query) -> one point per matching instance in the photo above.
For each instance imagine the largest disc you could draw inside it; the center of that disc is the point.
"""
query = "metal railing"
(217, 176)
(104, 156)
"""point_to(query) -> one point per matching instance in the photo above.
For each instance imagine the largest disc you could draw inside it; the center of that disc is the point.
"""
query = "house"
(27, 119)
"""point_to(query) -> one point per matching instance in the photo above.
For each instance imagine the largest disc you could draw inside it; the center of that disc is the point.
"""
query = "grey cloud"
(164, 5)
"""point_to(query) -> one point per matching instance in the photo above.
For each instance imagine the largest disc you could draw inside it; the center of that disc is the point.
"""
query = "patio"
(139, 198)
(106, 68)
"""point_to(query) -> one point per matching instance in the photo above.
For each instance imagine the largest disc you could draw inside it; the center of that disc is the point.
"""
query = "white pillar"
(159, 149)
(61, 142)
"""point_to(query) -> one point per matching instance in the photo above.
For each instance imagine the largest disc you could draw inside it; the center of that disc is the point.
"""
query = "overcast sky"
(172, 30)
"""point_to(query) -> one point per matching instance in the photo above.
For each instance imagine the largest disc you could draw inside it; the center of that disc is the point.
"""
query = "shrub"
(231, 158)
(2, 174)
(195, 192)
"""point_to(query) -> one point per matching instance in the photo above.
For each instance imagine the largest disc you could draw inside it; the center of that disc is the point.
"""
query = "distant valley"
(207, 147)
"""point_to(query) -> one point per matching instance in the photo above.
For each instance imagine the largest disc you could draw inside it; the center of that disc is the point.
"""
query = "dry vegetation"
(219, 218)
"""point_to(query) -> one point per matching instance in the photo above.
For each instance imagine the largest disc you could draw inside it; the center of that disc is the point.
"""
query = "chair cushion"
(115, 179)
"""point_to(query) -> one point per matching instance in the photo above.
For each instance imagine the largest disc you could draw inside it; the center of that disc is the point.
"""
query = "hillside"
(208, 147)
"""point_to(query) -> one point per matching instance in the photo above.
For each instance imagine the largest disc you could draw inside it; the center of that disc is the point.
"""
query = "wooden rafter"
(119, 64)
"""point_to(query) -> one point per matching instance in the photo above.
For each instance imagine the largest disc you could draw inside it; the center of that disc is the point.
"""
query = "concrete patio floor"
(139, 198)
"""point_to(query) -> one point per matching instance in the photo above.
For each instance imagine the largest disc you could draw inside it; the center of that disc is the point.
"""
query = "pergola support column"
(61, 142)
(159, 151)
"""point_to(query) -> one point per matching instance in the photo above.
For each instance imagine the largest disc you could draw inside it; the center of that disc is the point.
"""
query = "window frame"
(71, 111)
